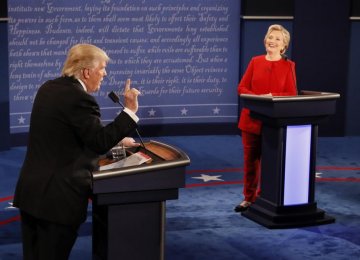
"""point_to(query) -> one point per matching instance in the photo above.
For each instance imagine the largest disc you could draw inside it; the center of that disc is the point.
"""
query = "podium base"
(277, 217)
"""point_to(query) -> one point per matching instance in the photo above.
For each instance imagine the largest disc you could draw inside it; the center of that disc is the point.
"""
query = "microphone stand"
(292, 72)
(116, 99)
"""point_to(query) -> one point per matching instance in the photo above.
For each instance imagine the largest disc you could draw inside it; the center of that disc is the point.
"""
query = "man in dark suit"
(66, 137)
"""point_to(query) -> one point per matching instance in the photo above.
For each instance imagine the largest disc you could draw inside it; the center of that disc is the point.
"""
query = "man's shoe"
(244, 205)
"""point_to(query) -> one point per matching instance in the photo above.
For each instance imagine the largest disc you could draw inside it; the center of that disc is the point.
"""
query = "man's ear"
(86, 74)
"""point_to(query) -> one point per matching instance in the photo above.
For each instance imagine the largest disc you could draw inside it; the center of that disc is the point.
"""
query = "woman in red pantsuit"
(270, 74)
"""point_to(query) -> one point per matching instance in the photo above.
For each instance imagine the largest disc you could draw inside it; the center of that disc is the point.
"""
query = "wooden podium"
(129, 205)
(289, 139)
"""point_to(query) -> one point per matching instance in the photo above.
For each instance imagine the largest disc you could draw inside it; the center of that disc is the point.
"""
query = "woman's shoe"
(244, 205)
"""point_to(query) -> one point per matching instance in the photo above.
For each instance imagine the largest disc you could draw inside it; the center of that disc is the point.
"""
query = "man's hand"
(129, 142)
(131, 97)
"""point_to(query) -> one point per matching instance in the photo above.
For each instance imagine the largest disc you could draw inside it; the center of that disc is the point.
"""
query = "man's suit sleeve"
(85, 118)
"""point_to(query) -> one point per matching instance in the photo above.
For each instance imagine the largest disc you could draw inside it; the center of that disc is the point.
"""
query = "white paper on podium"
(134, 159)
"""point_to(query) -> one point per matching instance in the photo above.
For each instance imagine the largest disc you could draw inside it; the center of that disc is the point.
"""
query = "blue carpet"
(202, 224)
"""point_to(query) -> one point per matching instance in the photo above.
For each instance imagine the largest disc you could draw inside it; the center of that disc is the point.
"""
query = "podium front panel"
(297, 165)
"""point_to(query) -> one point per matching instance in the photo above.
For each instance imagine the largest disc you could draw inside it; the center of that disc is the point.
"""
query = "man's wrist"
(131, 114)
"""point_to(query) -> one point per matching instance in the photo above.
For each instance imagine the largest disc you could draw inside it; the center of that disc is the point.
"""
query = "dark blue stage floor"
(202, 223)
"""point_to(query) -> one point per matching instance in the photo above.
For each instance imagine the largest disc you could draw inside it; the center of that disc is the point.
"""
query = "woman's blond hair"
(285, 33)
(82, 56)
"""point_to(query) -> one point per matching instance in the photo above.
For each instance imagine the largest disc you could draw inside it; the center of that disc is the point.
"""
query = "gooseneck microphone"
(283, 56)
(116, 99)
(292, 71)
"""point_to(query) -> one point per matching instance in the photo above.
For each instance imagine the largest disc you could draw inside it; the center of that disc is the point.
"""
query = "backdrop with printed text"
(182, 55)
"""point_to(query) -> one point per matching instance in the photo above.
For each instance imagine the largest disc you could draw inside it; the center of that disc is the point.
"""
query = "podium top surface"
(164, 157)
(305, 95)
(306, 104)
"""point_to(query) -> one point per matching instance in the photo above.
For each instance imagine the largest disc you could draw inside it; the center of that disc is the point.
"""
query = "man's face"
(94, 77)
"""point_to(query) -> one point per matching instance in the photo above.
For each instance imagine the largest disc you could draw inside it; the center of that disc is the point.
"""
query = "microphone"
(116, 99)
(283, 56)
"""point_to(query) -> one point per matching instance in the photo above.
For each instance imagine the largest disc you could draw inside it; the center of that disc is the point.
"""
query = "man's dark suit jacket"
(66, 137)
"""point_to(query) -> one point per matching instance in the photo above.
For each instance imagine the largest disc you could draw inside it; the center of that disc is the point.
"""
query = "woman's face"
(274, 43)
